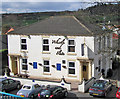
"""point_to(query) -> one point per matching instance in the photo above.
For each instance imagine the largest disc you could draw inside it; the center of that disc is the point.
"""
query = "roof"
(57, 25)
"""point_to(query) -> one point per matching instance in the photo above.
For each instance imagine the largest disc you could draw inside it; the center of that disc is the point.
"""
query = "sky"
(23, 6)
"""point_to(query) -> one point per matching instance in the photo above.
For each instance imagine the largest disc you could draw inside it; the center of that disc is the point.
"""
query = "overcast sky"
(23, 6)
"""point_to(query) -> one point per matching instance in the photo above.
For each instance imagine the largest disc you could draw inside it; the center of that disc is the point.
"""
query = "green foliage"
(100, 13)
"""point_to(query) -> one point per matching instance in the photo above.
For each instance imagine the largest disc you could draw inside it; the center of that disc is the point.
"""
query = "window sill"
(70, 53)
(45, 52)
(24, 51)
(69, 75)
(46, 73)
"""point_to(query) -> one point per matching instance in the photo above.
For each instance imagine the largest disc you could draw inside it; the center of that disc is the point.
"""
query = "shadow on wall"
(3, 54)
(91, 54)
(4, 59)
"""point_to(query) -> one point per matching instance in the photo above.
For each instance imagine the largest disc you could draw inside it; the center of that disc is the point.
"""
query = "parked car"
(53, 92)
(100, 88)
(118, 93)
(7, 84)
(29, 90)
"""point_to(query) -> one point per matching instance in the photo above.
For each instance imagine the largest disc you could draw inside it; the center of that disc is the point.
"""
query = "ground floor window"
(24, 64)
(71, 69)
(46, 67)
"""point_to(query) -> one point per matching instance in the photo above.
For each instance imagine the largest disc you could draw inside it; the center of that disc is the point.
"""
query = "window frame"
(99, 44)
(45, 45)
(26, 63)
(23, 44)
(99, 65)
(46, 66)
(71, 45)
(71, 67)
(82, 49)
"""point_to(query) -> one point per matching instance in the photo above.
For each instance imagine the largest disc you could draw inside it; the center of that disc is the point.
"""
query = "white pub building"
(56, 47)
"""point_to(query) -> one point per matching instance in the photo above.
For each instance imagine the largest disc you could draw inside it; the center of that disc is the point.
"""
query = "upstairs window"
(108, 41)
(24, 64)
(104, 42)
(71, 46)
(82, 49)
(45, 45)
(99, 65)
(99, 44)
(23, 44)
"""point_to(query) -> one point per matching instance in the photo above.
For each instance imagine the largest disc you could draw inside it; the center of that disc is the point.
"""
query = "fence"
(4, 95)
(84, 86)
(23, 81)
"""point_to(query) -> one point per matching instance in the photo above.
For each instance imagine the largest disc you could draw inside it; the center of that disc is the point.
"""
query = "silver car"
(30, 90)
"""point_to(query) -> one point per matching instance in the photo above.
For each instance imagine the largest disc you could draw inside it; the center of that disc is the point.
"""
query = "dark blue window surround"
(59, 67)
(34, 65)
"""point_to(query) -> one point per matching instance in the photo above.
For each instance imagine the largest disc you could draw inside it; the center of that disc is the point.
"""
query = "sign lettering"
(59, 41)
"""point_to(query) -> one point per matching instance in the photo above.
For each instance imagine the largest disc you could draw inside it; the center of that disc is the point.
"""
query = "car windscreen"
(45, 92)
(26, 87)
(98, 85)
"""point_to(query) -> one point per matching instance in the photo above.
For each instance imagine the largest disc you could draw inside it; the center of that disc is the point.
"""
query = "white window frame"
(69, 45)
(45, 44)
(71, 67)
(24, 63)
(24, 44)
(46, 66)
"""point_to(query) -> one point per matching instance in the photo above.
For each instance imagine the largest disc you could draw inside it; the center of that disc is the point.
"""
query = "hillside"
(98, 14)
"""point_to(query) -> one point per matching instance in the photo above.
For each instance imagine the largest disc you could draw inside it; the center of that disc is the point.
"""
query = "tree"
(5, 28)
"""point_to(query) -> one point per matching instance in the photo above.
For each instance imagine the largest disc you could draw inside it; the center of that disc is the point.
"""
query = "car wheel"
(32, 96)
(110, 88)
(105, 94)
(18, 86)
(66, 94)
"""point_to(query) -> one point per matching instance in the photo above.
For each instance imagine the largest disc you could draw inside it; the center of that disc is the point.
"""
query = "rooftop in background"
(59, 25)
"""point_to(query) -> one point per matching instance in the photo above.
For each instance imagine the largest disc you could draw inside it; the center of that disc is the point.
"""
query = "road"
(76, 94)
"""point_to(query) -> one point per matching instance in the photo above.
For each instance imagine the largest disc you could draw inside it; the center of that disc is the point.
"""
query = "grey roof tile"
(57, 25)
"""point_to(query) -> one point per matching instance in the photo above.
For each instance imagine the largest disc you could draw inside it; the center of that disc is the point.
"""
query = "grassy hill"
(100, 13)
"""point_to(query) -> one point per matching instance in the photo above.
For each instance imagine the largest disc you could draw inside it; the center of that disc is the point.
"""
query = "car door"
(108, 85)
(12, 84)
(5, 85)
(36, 89)
(58, 92)
(55, 93)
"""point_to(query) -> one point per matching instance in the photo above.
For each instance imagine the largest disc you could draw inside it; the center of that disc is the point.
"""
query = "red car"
(118, 93)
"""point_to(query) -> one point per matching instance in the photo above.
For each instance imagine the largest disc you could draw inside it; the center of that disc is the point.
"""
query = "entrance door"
(14, 65)
(85, 70)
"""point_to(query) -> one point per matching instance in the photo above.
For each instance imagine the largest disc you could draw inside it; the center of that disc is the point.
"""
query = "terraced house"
(56, 47)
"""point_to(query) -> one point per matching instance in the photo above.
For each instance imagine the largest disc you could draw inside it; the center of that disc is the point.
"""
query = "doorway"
(85, 72)
(14, 65)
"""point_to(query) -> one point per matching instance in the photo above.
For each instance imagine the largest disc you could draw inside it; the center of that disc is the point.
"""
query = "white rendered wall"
(35, 54)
